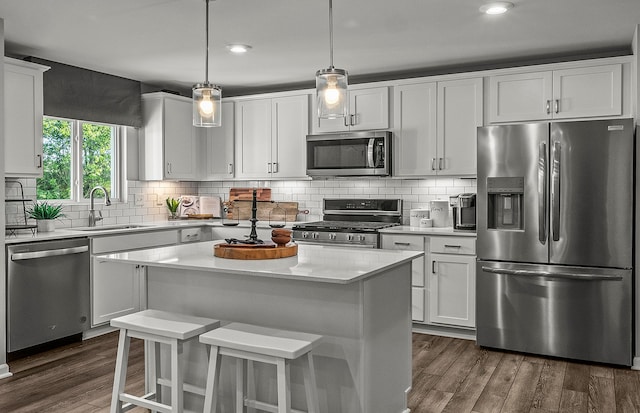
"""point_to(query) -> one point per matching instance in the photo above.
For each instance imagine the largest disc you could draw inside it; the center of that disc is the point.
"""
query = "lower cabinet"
(117, 290)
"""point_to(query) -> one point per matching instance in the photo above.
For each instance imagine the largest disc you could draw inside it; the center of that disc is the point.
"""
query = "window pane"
(56, 160)
(97, 141)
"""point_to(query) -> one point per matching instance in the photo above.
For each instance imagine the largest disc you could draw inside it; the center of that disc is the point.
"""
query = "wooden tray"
(264, 210)
(255, 252)
(246, 194)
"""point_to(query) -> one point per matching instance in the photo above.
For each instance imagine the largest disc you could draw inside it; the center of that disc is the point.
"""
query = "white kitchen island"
(359, 300)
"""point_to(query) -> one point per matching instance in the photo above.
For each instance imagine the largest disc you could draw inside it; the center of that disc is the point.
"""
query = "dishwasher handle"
(19, 256)
(554, 275)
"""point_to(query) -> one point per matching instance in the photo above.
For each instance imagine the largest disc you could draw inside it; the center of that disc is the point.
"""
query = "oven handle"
(554, 275)
(335, 244)
(19, 256)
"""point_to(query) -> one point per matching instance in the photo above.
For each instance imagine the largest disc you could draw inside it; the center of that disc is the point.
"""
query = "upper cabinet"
(271, 137)
(168, 140)
(219, 153)
(559, 94)
(368, 109)
(23, 118)
(435, 127)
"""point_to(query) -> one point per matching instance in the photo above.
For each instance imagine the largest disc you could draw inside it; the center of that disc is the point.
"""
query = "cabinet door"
(587, 91)
(415, 130)
(452, 289)
(417, 304)
(23, 121)
(179, 140)
(459, 115)
(520, 97)
(290, 126)
(253, 138)
(408, 243)
(219, 151)
(369, 108)
(115, 290)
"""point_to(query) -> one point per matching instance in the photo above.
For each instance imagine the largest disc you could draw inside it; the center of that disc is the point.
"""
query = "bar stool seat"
(157, 327)
(247, 342)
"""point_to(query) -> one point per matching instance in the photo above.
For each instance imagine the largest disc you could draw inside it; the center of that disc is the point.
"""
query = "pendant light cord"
(206, 31)
(330, 34)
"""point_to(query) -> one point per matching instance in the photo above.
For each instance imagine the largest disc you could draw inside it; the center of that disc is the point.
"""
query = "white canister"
(426, 223)
(415, 215)
(440, 213)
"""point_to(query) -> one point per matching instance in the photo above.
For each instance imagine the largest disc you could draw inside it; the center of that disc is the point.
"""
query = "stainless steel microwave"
(366, 153)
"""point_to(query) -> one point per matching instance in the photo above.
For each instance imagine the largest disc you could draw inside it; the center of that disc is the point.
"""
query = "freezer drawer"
(563, 311)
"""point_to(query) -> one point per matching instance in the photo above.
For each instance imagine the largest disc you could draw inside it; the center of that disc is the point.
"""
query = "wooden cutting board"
(255, 252)
(264, 210)
(246, 194)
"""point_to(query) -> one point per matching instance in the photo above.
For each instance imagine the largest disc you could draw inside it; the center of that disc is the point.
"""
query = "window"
(78, 156)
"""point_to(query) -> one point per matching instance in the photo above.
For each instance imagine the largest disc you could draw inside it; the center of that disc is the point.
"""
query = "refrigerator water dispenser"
(505, 196)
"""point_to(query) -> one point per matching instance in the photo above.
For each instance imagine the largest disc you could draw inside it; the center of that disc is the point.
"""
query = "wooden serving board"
(255, 252)
(199, 216)
(246, 194)
(265, 208)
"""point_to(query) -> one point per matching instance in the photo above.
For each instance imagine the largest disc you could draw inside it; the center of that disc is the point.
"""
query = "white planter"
(46, 225)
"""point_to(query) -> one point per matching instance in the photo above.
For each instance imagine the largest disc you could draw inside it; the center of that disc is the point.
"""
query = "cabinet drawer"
(403, 242)
(453, 245)
(133, 241)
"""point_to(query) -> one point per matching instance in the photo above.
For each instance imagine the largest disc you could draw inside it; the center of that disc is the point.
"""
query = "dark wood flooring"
(449, 375)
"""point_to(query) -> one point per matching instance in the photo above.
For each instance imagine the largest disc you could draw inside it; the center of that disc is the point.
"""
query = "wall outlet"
(139, 200)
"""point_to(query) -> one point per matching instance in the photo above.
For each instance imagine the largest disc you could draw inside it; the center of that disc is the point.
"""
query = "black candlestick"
(253, 237)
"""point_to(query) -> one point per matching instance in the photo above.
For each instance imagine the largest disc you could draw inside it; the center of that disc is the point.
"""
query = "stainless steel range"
(350, 222)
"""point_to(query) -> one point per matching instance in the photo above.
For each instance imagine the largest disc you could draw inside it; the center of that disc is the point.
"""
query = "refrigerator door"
(591, 193)
(563, 311)
(512, 192)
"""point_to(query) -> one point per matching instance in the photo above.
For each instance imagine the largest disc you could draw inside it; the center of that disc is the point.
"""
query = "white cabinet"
(270, 137)
(219, 162)
(23, 118)
(168, 140)
(559, 94)
(435, 127)
(368, 109)
(452, 281)
(418, 293)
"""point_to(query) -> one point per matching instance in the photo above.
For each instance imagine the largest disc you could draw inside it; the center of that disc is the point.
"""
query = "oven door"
(352, 154)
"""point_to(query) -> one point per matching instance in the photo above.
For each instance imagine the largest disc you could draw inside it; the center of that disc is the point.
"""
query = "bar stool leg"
(176, 376)
(154, 348)
(120, 375)
(284, 391)
(240, 384)
(211, 391)
(311, 390)
(251, 384)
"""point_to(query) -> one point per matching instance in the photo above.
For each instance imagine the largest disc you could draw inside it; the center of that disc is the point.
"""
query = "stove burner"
(351, 226)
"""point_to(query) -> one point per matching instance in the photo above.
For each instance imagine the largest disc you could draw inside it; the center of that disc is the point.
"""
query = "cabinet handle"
(168, 168)
(452, 246)
(39, 161)
(230, 168)
(353, 120)
(404, 244)
(440, 164)
(433, 267)
(346, 122)
(556, 106)
(548, 107)
(269, 167)
(433, 164)
(276, 167)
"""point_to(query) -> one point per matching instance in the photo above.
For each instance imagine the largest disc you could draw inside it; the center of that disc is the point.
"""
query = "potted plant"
(173, 205)
(44, 213)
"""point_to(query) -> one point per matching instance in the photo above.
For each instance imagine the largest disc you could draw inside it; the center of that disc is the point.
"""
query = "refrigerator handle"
(554, 275)
(542, 193)
(555, 191)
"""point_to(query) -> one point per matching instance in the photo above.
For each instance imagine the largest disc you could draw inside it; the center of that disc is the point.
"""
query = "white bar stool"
(266, 345)
(157, 327)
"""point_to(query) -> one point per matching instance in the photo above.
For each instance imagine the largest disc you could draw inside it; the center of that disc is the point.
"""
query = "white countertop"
(405, 229)
(313, 263)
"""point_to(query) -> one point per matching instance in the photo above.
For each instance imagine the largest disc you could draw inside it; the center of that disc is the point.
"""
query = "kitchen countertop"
(119, 229)
(407, 230)
(313, 262)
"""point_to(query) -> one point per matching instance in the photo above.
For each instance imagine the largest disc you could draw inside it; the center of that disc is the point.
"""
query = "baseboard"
(444, 331)
(97, 331)
(4, 371)
(636, 363)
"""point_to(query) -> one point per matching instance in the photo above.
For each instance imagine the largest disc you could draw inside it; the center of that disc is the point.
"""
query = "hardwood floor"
(449, 375)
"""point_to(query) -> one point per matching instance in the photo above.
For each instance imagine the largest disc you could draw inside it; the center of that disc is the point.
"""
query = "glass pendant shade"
(207, 106)
(331, 93)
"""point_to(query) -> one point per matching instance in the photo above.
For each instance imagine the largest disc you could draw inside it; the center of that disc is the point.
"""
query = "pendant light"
(331, 84)
(207, 97)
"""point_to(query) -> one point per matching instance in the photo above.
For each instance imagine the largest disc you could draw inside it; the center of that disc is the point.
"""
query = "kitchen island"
(359, 300)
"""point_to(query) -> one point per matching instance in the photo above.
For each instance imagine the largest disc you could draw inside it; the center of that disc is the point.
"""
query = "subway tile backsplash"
(415, 193)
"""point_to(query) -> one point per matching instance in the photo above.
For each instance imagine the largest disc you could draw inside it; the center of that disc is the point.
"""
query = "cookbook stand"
(10, 229)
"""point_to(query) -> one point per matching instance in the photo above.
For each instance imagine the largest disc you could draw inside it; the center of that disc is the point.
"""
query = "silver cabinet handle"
(169, 168)
(452, 246)
(555, 191)
(269, 167)
(548, 107)
(347, 119)
(433, 267)
(433, 164)
(230, 168)
(404, 244)
(39, 161)
(48, 253)
(353, 119)
(556, 275)
(276, 167)
(440, 164)
(556, 106)
(542, 193)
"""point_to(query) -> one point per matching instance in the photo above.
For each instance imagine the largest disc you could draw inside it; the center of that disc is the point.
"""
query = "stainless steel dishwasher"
(47, 292)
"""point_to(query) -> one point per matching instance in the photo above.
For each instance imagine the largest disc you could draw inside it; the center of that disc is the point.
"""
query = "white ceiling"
(161, 42)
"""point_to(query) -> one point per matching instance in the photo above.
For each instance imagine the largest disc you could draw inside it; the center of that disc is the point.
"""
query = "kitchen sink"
(108, 228)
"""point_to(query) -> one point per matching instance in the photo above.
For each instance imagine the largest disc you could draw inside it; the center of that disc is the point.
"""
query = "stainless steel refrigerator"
(555, 239)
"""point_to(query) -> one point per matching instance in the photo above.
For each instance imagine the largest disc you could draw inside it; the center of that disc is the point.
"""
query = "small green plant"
(173, 205)
(45, 210)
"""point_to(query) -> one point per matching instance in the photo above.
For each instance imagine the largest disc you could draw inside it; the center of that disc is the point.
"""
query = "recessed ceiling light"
(238, 48)
(496, 8)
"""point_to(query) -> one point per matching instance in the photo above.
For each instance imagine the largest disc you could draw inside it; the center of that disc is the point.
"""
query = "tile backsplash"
(415, 193)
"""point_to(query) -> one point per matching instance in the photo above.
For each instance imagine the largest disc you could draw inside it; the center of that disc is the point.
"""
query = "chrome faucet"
(92, 212)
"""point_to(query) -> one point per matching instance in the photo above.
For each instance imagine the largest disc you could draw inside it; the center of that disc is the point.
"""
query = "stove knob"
(305, 234)
(332, 236)
(349, 237)
(315, 235)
